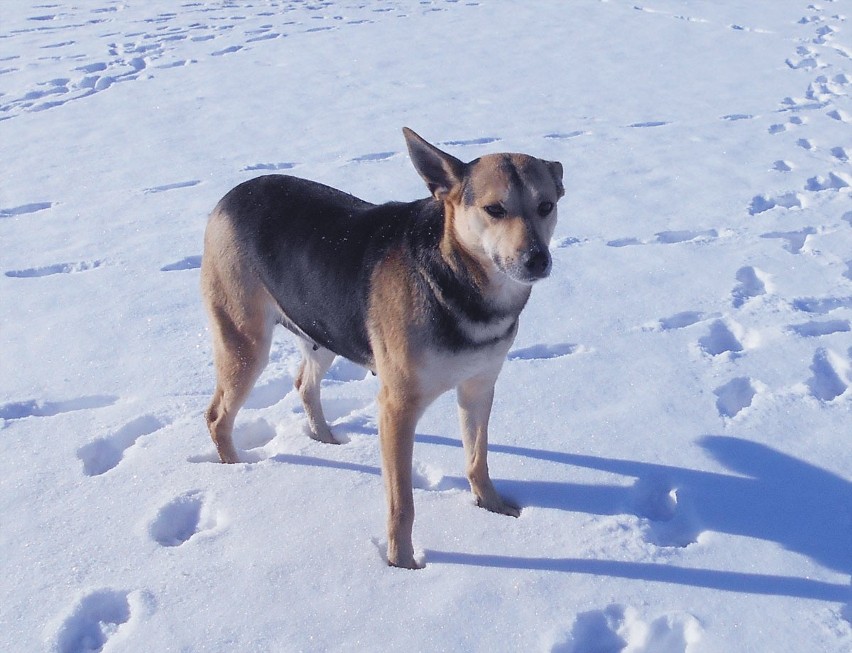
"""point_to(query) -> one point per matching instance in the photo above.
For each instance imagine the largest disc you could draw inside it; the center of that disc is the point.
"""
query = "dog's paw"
(398, 556)
(498, 505)
(323, 436)
(409, 563)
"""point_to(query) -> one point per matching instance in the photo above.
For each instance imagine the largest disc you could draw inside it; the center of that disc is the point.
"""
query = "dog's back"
(307, 242)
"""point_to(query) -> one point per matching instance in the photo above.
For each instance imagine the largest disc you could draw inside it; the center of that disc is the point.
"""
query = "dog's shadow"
(769, 496)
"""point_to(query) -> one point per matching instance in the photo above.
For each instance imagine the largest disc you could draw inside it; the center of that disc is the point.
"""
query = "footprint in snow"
(762, 203)
(734, 396)
(375, 156)
(56, 268)
(562, 136)
(182, 518)
(720, 340)
(817, 329)
(545, 352)
(831, 375)
(100, 618)
(679, 320)
(649, 124)
(834, 181)
(752, 283)
(283, 165)
(102, 455)
(618, 628)
(668, 520)
(821, 305)
(38, 408)
(174, 186)
(228, 50)
(674, 237)
(796, 240)
(24, 209)
(485, 140)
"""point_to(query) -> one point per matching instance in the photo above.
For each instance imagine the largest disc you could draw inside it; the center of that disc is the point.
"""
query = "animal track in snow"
(99, 618)
(834, 181)
(651, 123)
(816, 329)
(375, 156)
(618, 628)
(485, 140)
(562, 136)
(188, 263)
(174, 186)
(680, 320)
(720, 340)
(831, 375)
(795, 239)
(24, 209)
(39, 408)
(430, 478)
(57, 268)
(668, 523)
(752, 283)
(674, 237)
(181, 519)
(840, 115)
(763, 203)
(734, 396)
(284, 165)
(544, 352)
(734, 117)
(821, 305)
(106, 453)
(668, 238)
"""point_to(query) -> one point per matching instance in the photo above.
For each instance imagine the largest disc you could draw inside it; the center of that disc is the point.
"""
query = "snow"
(674, 417)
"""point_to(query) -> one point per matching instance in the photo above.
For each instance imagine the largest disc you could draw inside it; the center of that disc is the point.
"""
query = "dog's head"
(503, 205)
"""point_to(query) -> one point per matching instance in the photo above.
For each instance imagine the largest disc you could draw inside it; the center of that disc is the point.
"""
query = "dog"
(425, 294)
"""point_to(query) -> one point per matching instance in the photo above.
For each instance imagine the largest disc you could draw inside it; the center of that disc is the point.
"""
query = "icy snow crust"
(674, 418)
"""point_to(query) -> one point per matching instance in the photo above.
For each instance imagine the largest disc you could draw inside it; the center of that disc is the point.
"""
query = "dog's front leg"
(475, 397)
(397, 420)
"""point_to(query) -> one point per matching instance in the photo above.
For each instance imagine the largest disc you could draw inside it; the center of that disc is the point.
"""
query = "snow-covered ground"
(675, 418)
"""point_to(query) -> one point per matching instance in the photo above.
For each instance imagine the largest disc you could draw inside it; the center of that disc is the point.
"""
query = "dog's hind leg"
(242, 317)
(315, 363)
(240, 352)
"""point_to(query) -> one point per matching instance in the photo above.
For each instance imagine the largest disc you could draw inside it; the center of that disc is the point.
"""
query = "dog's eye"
(495, 211)
(545, 209)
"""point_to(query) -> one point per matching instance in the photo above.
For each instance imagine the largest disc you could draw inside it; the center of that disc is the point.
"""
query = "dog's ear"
(441, 171)
(556, 172)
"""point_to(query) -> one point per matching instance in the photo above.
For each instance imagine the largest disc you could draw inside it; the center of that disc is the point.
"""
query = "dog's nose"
(537, 263)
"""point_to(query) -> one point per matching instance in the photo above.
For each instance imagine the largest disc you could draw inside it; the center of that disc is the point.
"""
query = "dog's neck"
(466, 257)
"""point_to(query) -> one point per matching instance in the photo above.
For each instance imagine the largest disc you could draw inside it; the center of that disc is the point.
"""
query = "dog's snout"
(537, 263)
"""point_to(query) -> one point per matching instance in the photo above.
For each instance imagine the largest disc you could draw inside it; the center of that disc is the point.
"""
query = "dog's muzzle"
(528, 267)
(536, 264)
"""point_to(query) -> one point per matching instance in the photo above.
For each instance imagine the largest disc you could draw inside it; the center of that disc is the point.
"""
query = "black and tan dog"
(426, 294)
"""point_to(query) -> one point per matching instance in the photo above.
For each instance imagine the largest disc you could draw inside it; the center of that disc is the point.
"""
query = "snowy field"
(675, 417)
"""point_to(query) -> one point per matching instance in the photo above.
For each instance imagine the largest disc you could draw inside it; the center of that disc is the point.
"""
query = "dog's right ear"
(441, 171)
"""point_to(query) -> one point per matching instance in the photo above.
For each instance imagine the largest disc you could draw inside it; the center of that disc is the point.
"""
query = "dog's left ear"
(441, 171)
(556, 172)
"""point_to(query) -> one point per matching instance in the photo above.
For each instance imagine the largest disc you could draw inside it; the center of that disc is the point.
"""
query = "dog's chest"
(442, 370)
